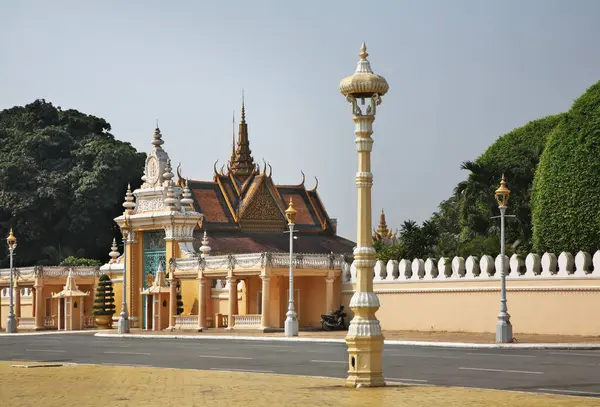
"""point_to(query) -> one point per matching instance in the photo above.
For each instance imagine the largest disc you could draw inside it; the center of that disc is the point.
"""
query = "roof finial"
(243, 108)
(157, 140)
(363, 51)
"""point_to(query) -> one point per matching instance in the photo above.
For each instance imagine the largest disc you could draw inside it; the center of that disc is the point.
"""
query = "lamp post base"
(123, 324)
(504, 332)
(11, 324)
(291, 324)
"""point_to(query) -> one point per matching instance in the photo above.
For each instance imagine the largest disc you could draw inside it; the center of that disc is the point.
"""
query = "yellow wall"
(544, 306)
(189, 296)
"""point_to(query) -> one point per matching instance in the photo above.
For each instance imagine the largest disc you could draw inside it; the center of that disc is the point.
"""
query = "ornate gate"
(154, 254)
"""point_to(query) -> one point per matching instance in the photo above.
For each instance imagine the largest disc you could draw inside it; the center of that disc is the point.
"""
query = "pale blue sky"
(461, 73)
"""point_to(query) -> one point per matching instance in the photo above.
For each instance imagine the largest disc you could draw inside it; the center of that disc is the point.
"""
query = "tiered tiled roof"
(244, 210)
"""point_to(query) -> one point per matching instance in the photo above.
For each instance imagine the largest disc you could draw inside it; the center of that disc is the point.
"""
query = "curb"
(460, 345)
(40, 333)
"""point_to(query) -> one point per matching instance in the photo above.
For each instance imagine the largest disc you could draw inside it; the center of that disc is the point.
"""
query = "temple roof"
(239, 243)
(243, 201)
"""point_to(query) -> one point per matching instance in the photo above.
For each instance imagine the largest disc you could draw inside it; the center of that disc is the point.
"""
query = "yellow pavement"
(95, 386)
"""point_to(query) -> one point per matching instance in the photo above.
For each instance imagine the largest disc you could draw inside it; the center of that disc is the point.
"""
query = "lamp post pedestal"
(291, 323)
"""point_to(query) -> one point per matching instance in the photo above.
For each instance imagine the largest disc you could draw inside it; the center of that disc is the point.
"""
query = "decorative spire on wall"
(129, 203)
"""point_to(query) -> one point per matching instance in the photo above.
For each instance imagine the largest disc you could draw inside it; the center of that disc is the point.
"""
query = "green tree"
(63, 177)
(104, 301)
(566, 204)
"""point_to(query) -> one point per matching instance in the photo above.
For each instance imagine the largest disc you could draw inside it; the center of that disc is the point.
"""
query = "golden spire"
(382, 229)
(243, 108)
(242, 163)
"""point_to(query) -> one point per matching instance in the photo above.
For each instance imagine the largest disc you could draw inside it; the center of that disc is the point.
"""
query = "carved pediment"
(262, 206)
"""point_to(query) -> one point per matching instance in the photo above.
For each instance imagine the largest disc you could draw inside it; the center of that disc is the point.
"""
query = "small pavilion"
(157, 300)
(70, 304)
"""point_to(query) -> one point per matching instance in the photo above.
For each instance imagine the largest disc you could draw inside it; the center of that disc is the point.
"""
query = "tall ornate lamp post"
(123, 323)
(364, 339)
(503, 327)
(11, 322)
(291, 320)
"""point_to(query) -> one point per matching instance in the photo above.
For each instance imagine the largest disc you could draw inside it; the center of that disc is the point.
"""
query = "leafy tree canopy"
(62, 180)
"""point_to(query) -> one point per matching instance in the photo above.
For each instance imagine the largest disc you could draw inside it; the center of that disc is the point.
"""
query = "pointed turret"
(205, 248)
(242, 163)
(157, 140)
(114, 254)
(187, 202)
(129, 203)
(171, 201)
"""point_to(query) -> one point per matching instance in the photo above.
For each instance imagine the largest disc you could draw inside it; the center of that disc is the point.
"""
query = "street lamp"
(11, 323)
(503, 327)
(291, 320)
(364, 339)
(123, 323)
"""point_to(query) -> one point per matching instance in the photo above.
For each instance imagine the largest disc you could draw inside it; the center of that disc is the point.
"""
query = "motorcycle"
(334, 321)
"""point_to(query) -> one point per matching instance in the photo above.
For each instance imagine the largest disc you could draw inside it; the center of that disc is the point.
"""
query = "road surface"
(574, 373)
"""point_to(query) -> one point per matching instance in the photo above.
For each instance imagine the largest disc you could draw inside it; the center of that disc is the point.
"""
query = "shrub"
(73, 261)
(179, 299)
(566, 204)
(104, 301)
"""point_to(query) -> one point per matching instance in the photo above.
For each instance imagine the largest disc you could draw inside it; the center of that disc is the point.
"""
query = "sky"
(461, 74)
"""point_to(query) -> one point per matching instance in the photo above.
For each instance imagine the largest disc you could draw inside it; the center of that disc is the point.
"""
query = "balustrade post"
(329, 280)
(233, 301)
(201, 303)
(264, 317)
(40, 304)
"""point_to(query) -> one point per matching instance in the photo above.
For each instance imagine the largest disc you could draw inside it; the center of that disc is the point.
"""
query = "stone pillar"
(17, 301)
(202, 303)
(172, 303)
(40, 304)
(329, 294)
(233, 301)
(264, 306)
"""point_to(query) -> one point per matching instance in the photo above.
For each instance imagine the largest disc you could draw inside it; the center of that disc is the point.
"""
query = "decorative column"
(264, 305)
(172, 301)
(40, 303)
(17, 301)
(201, 303)
(364, 339)
(233, 301)
(329, 280)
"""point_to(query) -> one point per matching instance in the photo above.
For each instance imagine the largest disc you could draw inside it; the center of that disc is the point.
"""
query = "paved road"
(560, 372)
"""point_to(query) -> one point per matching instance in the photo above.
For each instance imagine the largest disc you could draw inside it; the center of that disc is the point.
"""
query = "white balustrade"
(247, 321)
(186, 322)
(532, 266)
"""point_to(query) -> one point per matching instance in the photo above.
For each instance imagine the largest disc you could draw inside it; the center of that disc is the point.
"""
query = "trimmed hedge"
(566, 191)
(104, 302)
